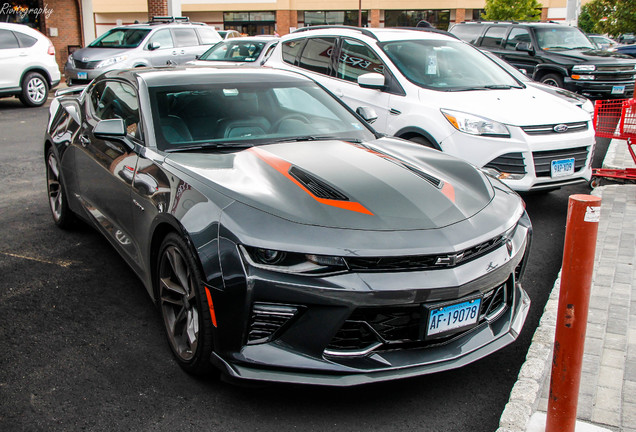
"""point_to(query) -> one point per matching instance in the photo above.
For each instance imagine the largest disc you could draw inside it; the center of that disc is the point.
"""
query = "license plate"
(452, 317)
(562, 167)
(82, 75)
(618, 89)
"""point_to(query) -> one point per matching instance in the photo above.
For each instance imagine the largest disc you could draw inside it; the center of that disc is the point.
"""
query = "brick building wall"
(65, 18)
(157, 8)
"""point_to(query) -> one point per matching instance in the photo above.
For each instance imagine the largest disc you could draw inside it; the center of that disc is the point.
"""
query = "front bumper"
(301, 349)
(601, 89)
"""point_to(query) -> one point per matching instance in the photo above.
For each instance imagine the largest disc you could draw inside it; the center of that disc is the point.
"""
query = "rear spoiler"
(70, 91)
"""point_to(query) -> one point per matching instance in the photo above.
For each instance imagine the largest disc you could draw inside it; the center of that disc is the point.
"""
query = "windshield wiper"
(317, 138)
(488, 87)
(207, 146)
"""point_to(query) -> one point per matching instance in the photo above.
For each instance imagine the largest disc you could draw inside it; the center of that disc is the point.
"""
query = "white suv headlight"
(110, 61)
(475, 125)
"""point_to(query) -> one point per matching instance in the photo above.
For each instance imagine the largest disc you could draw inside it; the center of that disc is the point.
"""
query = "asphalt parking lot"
(83, 345)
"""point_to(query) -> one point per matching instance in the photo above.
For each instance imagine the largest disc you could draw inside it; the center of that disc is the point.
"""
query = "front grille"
(422, 262)
(85, 65)
(617, 68)
(543, 159)
(549, 129)
(316, 186)
(615, 77)
(511, 163)
(267, 320)
(401, 326)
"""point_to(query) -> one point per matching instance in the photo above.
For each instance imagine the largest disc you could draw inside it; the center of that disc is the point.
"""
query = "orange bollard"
(574, 299)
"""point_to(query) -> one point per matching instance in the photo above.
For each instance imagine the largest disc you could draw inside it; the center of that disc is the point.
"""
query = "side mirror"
(372, 80)
(110, 129)
(154, 45)
(525, 47)
(368, 114)
(197, 57)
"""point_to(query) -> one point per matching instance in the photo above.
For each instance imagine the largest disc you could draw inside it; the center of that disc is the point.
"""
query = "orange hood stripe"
(282, 166)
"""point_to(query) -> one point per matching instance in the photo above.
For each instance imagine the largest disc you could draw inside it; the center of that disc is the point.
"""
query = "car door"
(166, 53)
(105, 168)
(356, 58)
(187, 44)
(522, 60)
(12, 60)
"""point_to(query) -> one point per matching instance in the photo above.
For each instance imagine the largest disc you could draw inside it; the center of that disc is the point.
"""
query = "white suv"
(27, 64)
(431, 88)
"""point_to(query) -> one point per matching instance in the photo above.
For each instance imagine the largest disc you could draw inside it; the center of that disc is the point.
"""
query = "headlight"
(582, 77)
(292, 262)
(70, 58)
(110, 61)
(475, 125)
(583, 68)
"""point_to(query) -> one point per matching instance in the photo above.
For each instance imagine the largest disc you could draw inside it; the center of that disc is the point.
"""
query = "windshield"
(234, 51)
(447, 65)
(120, 38)
(236, 114)
(562, 38)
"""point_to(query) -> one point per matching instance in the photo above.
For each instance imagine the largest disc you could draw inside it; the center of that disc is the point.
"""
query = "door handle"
(174, 52)
(182, 52)
(339, 93)
(23, 54)
(83, 139)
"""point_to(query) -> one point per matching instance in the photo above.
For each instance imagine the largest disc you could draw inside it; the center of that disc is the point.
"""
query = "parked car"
(443, 93)
(245, 51)
(282, 238)
(602, 42)
(627, 38)
(556, 55)
(629, 50)
(161, 41)
(228, 34)
(27, 64)
(578, 100)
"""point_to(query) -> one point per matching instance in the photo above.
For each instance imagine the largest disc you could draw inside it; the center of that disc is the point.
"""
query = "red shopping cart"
(616, 119)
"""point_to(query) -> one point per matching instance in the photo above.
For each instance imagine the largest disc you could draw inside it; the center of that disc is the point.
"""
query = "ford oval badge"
(560, 128)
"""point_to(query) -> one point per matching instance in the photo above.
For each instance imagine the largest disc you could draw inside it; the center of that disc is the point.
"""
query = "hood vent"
(429, 178)
(316, 186)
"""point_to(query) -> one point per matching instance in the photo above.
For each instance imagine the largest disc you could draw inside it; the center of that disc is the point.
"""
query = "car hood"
(559, 92)
(222, 63)
(599, 57)
(342, 185)
(95, 54)
(518, 107)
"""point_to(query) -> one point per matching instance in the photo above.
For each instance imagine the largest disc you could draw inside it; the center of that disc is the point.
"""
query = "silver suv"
(164, 40)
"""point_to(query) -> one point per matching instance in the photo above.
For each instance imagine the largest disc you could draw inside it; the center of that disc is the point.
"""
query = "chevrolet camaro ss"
(280, 236)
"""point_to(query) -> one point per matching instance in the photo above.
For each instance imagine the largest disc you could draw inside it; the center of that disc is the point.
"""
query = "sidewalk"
(607, 395)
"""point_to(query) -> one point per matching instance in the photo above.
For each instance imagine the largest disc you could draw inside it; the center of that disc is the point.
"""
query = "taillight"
(51, 50)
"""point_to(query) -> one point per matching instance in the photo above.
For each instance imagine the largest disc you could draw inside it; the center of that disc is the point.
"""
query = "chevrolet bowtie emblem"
(450, 260)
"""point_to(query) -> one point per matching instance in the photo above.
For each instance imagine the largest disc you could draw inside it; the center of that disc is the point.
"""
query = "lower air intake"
(268, 320)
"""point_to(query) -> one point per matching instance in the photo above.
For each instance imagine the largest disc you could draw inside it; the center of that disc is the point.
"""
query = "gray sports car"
(280, 236)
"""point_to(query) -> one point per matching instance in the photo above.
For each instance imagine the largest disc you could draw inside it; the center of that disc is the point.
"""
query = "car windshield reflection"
(235, 51)
(205, 116)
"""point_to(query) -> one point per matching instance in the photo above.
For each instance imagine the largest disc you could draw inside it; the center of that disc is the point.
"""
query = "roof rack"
(167, 19)
(426, 29)
(362, 30)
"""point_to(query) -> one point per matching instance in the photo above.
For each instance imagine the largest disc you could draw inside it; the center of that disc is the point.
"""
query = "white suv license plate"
(562, 167)
(452, 317)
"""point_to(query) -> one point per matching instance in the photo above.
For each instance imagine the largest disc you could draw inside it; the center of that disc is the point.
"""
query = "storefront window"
(23, 12)
(477, 14)
(335, 18)
(250, 23)
(437, 18)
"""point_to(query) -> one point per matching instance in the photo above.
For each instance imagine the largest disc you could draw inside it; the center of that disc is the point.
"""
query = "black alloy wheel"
(184, 306)
(62, 214)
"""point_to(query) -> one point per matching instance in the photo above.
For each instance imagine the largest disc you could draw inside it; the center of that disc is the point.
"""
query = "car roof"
(507, 23)
(381, 34)
(21, 28)
(177, 75)
(250, 39)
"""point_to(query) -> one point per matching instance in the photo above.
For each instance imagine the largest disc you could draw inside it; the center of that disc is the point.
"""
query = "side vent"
(429, 178)
(316, 186)
(268, 320)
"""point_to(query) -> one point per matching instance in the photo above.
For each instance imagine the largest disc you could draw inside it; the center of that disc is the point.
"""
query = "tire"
(422, 141)
(553, 80)
(58, 203)
(184, 307)
(35, 90)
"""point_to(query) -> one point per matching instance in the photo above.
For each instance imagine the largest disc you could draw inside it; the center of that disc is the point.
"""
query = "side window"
(112, 100)
(185, 37)
(163, 37)
(7, 40)
(291, 49)
(468, 32)
(493, 37)
(26, 41)
(516, 36)
(208, 36)
(317, 55)
(357, 59)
